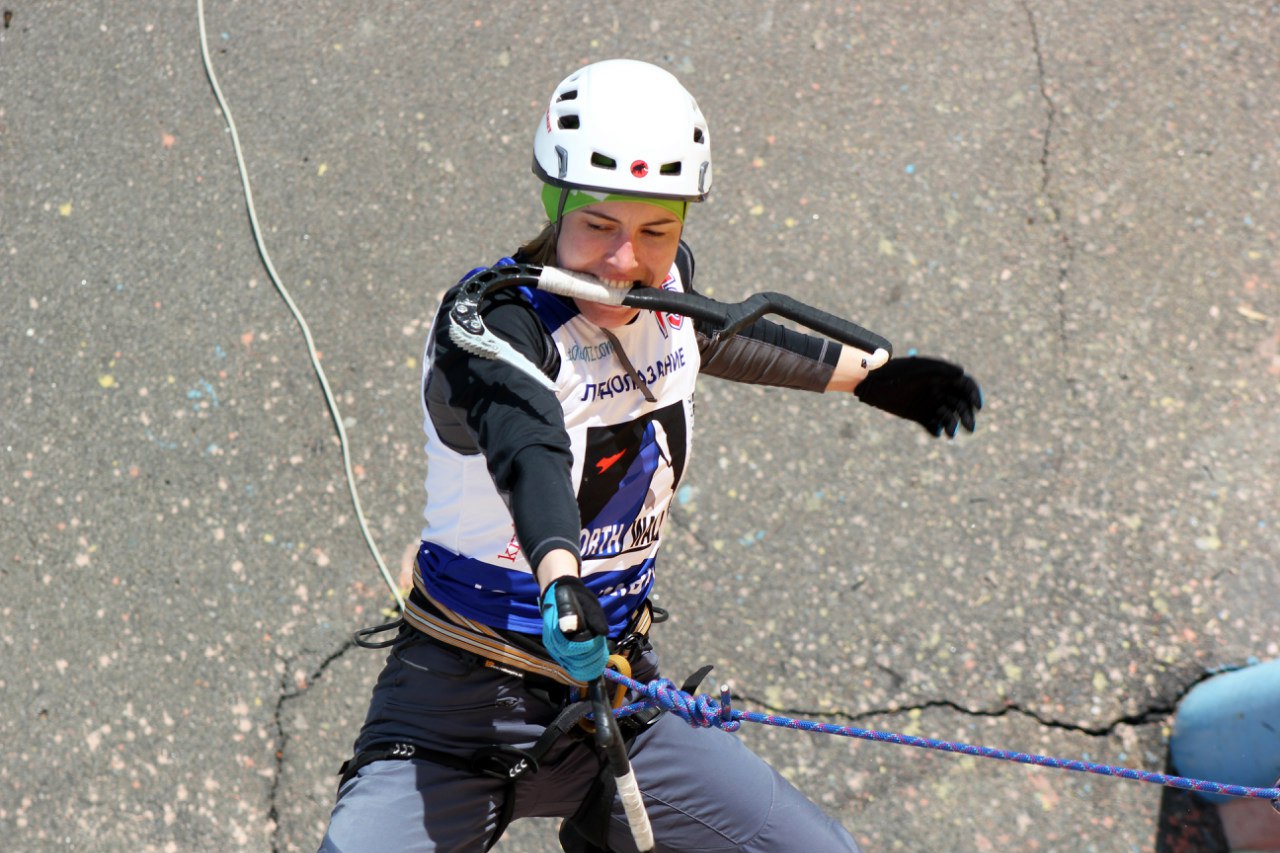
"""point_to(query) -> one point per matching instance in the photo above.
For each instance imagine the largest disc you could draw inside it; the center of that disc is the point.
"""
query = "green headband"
(581, 198)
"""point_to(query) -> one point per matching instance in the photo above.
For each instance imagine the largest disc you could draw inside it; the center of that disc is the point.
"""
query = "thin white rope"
(293, 308)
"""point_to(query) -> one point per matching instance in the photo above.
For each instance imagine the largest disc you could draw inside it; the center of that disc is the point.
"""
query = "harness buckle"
(632, 643)
(636, 642)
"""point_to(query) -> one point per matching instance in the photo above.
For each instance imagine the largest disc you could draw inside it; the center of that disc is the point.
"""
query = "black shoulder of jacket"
(684, 263)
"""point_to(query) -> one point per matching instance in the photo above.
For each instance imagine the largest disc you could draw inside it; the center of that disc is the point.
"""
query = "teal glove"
(574, 629)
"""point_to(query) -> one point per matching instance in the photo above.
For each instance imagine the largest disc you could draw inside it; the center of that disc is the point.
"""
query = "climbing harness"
(507, 650)
(507, 764)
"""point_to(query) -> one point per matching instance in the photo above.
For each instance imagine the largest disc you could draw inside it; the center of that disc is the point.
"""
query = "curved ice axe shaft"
(610, 741)
(467, 329)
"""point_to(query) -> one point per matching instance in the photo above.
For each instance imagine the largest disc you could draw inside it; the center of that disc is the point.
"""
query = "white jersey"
(629, 454)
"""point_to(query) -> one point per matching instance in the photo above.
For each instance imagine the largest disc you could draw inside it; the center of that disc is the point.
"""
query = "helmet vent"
(570, 95)
(698, 136)
(603, 162)
(569, 122)
(669, 168)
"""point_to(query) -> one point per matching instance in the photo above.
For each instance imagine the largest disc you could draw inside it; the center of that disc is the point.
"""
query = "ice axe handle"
(610, 741)
(732, 317)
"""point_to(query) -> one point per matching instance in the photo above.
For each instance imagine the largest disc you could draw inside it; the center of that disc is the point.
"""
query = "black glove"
(936, 394)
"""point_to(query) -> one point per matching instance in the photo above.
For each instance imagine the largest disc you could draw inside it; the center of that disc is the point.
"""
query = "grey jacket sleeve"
(766, 353)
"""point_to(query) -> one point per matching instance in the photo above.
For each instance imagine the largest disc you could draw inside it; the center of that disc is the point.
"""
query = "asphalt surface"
(1076, 200)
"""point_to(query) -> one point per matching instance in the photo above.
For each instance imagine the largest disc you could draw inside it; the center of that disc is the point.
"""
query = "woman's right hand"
(574, 628)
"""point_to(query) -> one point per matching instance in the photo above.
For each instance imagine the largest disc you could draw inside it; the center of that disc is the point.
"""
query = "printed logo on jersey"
(589, 352)
(668, 321)
(606, 463)
(631, 471)
(622, 383)
(512, 550)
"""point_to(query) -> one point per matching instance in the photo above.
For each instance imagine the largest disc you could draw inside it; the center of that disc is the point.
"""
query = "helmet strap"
(564, 197)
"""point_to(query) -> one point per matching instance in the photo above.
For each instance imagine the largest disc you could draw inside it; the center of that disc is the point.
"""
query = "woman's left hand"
(936, 394)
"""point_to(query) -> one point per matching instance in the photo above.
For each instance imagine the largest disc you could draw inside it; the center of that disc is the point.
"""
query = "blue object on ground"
(1227, 729)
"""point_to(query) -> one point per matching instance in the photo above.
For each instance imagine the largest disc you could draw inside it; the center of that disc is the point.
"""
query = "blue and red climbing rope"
(704, 711)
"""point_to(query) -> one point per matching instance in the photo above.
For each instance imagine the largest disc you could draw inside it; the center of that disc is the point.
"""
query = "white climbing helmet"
(624, 127)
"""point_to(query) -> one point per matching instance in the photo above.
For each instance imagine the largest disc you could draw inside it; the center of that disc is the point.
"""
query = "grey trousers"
(702, 788)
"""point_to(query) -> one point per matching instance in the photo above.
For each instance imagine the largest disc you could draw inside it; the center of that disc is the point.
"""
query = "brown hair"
(541, 250)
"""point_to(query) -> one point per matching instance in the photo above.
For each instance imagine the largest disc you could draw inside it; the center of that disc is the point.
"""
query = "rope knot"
(701, 712)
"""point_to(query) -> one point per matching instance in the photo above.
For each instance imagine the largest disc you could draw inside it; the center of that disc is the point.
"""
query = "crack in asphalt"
(1154, 712)
(1051, 109)
(1151, 714)
(288, 694)
(1057, 223)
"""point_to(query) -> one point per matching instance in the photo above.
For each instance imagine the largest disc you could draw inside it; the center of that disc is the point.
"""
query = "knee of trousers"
(705, 790)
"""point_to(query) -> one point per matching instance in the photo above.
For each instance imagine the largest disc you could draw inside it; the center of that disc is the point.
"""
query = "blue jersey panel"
(508, 599)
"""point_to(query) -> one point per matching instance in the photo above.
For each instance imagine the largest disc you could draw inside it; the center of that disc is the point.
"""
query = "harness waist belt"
(498, 650)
